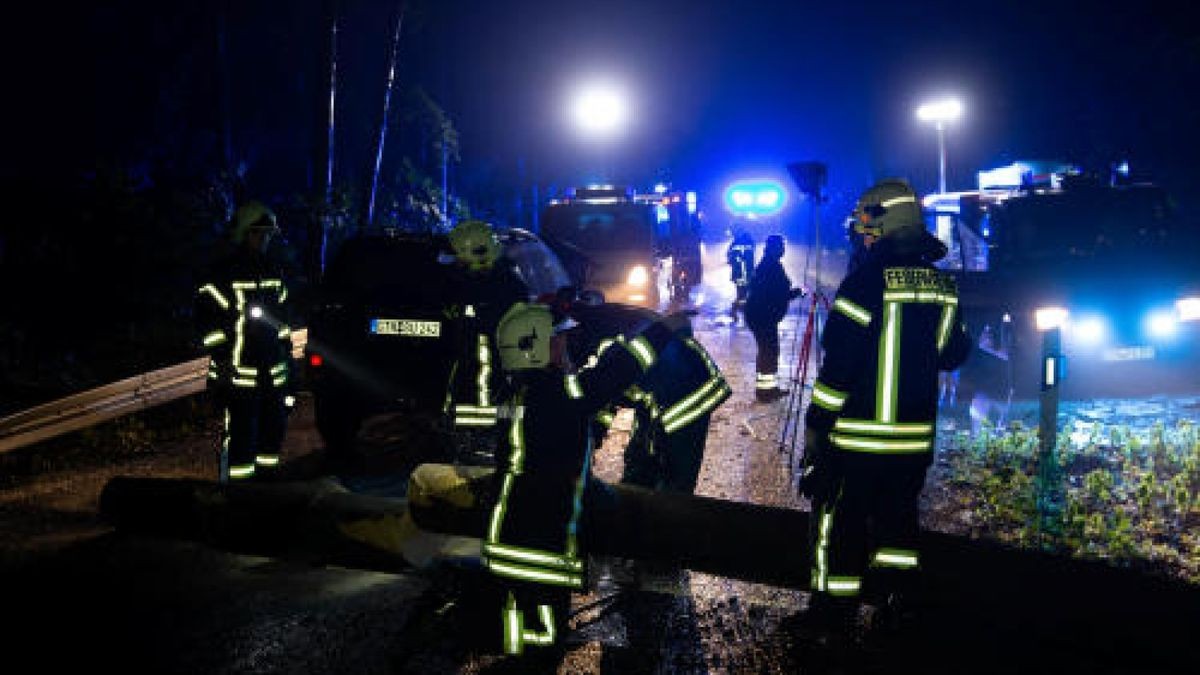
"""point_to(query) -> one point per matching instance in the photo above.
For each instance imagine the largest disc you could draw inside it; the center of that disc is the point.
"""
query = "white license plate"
(1139, 353)
(406, 328)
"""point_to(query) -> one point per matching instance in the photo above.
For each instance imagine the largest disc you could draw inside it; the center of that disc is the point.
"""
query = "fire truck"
(635, 248)
(1041, 245)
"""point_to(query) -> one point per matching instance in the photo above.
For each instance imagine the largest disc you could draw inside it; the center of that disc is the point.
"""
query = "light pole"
(940, 113)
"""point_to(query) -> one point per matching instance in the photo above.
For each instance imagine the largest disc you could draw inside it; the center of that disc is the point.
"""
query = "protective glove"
(819, 469)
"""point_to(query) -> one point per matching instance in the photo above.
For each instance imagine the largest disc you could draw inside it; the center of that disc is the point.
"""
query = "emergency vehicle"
(1042, 244)
(635, 249)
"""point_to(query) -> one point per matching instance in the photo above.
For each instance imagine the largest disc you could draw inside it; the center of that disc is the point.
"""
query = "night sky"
(720, 89)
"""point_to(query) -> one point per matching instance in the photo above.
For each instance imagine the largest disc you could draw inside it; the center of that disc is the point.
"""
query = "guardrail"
(110, 401)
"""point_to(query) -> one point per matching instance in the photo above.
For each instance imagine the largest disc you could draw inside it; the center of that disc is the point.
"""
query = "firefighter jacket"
(894, 323)
(770, 292)
(684, 383)
(740, 257)
(545, 462)
(481, 301)
(242, 316)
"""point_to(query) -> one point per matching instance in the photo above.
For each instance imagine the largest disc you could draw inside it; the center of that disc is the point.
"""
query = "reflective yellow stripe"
(883, 428)
(243, 382)
(267, 460)
(216, 295)
(889, 364)
(896, 557)
(546, 635)
(881, 445)
(284, 332)
(485, 370)
(945, 325)
(843, 586)
(642, 351)
(574, 390)
(827, 397)
(241, 471)
(513, 621)
(215, 338)
(474, 422)
(537, 575)
(532, 556)
(715, 398)
(853, 311)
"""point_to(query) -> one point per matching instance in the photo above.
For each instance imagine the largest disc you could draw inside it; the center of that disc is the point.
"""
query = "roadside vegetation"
(1123, 493)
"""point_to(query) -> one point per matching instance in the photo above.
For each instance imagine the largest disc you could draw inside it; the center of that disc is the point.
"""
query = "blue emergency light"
(761, 198)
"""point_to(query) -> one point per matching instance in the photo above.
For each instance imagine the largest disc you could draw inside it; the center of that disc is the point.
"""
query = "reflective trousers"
(255, 423)
(866, 525)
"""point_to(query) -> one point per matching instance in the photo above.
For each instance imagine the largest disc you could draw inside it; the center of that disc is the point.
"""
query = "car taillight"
(315, 360)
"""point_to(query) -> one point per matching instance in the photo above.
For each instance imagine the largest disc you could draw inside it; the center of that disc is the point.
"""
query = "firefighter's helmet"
(475, 245)
(523, 337)
(253, 215)
(887, 209)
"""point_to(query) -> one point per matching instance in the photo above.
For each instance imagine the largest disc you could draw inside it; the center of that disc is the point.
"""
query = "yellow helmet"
(888, 208)
(475, 245)
(253, 215)
(523, 337)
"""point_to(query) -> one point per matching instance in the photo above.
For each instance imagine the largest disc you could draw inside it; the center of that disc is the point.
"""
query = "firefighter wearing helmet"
(488, 286)
(869, 428)
(241, 312)
(531, 544)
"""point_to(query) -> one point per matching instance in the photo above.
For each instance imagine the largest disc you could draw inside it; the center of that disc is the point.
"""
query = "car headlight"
(1046, 318)
(638, 276)
(1161, 324)
(1188, 308)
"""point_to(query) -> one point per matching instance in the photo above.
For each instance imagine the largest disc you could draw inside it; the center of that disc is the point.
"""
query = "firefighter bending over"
(544, 465)
(488, 286)
(673, 401)
(242, 316)
(869, 430)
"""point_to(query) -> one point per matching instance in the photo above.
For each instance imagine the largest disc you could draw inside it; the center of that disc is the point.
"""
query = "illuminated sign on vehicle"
(761, 198)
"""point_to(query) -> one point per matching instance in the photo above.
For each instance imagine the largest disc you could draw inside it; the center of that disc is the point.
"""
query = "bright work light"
(1046, 318)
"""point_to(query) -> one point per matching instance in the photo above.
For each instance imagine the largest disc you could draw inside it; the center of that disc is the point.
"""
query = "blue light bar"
(755, 197)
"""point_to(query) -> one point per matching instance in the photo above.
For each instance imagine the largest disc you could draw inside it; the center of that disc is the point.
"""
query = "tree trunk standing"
(387, 104)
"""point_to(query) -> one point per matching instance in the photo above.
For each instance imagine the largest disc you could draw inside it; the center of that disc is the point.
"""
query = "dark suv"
(379, 337)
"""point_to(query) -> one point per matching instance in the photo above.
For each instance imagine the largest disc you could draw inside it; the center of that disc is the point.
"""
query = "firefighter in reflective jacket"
(544, 465)
(241, 312)
(740, 257)
(673, 401)
(488, 286)
(869, 429)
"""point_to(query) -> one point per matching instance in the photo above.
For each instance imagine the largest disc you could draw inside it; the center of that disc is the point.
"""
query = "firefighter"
(673, 401)
(869, 429)
(766, 304)
(242, 316)
(741, 266)
(544, 465)
(488, 286)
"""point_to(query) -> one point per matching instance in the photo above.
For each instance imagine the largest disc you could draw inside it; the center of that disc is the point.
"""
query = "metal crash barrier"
(110, 401)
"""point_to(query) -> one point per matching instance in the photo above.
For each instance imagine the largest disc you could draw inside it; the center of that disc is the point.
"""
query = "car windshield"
(539, 268)
(599, 228)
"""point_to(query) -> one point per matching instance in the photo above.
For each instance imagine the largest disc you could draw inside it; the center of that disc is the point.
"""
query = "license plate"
(406, 328)
(1139, 353)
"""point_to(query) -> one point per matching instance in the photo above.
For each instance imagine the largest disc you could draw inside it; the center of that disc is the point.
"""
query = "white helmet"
(523, 337)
